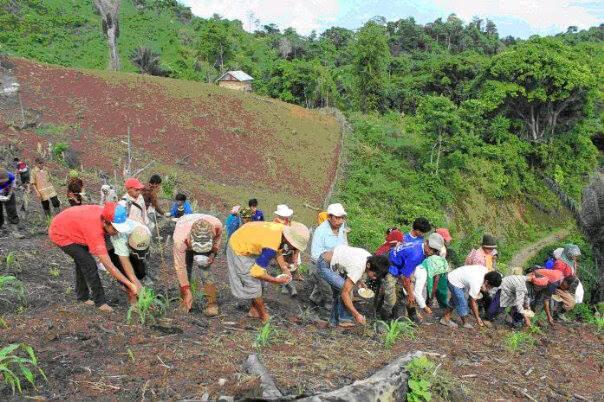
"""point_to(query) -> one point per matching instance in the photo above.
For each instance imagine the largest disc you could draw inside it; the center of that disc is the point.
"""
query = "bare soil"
(90, 355)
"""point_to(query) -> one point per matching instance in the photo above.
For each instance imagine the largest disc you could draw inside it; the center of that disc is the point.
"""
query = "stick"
(163, 364)
(144, 390)
(311, 207)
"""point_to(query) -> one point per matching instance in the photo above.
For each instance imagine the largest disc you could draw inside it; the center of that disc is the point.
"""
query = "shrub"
(14, 368)
(148, 62)
(148, 307)
(423, 381)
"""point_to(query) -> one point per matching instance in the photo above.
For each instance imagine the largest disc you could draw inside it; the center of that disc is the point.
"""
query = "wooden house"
(236, 80)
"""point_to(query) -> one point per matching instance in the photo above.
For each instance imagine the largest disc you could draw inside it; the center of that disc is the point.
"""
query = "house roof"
(238, 75)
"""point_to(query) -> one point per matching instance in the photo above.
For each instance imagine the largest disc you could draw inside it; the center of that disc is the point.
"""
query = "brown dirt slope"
(222, 145)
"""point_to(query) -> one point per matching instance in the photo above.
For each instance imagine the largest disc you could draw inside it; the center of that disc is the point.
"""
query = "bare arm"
(347, 300)
(129, 271)
(435, 285)
(408, 286)
(548, 312)
(113, 271)
(474, 308)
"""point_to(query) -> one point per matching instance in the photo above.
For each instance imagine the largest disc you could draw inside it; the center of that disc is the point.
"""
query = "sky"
(519, 18)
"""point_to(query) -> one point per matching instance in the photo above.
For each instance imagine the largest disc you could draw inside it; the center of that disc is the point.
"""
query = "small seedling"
(303, 269)
(54, 271)
(11, 260)
(148, 307)
(265, 335)
(396, 329)
(3, 323)
(130, 354)
(11, 284)
(517, 341)
(14, 368)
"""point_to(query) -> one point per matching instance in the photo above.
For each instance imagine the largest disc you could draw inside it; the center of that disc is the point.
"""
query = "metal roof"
(238, 75)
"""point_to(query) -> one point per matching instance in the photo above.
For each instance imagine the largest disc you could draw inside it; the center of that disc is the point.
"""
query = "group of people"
(411, 270)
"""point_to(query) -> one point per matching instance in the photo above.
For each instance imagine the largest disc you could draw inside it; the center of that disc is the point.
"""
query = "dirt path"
(532, 249)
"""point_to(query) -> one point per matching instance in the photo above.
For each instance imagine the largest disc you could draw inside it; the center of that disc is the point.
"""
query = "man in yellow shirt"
(251, 249)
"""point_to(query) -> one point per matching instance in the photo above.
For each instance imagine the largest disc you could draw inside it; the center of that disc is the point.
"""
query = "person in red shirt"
(80, 232)
(555, 280)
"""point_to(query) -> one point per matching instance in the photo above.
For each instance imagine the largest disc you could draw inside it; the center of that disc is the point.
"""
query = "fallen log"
(388, 384)
(253, 365)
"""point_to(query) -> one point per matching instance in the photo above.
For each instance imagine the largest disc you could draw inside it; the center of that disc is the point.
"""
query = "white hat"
(284, 211)
(558, 253)
(336, 210)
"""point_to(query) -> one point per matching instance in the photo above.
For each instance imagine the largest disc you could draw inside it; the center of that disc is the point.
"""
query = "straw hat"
(297, 235)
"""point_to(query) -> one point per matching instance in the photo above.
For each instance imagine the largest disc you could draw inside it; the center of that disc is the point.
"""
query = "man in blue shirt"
(403, 260)
(326, 237)
(7, 198)
(421, 226)
(257, 214)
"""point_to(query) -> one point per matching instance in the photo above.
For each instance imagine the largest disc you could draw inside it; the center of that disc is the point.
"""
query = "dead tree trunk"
(388, 384)
(269, 390)
(109, 10)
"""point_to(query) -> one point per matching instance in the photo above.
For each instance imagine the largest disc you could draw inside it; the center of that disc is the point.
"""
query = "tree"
(371, 58)
(541, 83)
(109, 10)
(216, 42)
(440, 121)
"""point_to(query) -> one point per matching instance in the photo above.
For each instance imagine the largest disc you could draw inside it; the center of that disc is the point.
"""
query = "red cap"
(134, 183)
(109, 211)
(395, 236)
(444, 233)
(540, 281)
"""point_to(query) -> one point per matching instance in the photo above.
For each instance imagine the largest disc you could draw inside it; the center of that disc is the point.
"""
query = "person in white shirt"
(473, 279)
(348, 264)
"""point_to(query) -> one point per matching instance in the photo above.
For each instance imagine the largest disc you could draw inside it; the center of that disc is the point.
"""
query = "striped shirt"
(513, 292)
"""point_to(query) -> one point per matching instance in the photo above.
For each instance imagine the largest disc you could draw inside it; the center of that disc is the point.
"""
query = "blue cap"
(120, 215)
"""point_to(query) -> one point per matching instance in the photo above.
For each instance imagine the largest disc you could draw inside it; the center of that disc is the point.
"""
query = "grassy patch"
(519, 341)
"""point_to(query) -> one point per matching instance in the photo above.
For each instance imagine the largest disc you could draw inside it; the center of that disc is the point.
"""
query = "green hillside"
(449, 120)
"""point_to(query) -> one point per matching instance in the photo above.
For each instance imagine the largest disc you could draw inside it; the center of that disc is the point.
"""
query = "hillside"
(222, 146)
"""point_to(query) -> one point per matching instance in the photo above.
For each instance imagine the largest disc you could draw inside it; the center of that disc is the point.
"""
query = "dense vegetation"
(449, 120)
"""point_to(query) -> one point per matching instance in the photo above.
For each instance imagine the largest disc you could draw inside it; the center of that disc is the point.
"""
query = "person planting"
(346, 268)
(196, 242)
(7, 198)
(420, 228)
(180, 207)
(45, 191)
(486, 255)
(556, 284)
(283, 215)
(233, 221)
(473, 279)
(403, 260)
(80, 233)
(326, 237)
(129, 252)
(514, 293)
(249, 253)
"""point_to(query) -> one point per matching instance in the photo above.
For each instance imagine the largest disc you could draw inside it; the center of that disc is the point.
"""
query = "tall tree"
(109, 10)
(542, 83)
(371, 58)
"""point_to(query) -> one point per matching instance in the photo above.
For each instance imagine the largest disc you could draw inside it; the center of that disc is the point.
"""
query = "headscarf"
(571, 251)
(558, 253)
(434, 265)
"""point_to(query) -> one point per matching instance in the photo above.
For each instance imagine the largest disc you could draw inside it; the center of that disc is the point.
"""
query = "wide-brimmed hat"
(134, 183)
(140, 238)
(336, 210)
(202, 236)
(297, 234)
(444, 232)
(488, 241)
(436, 241)
(235, 209)
(284, 211)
